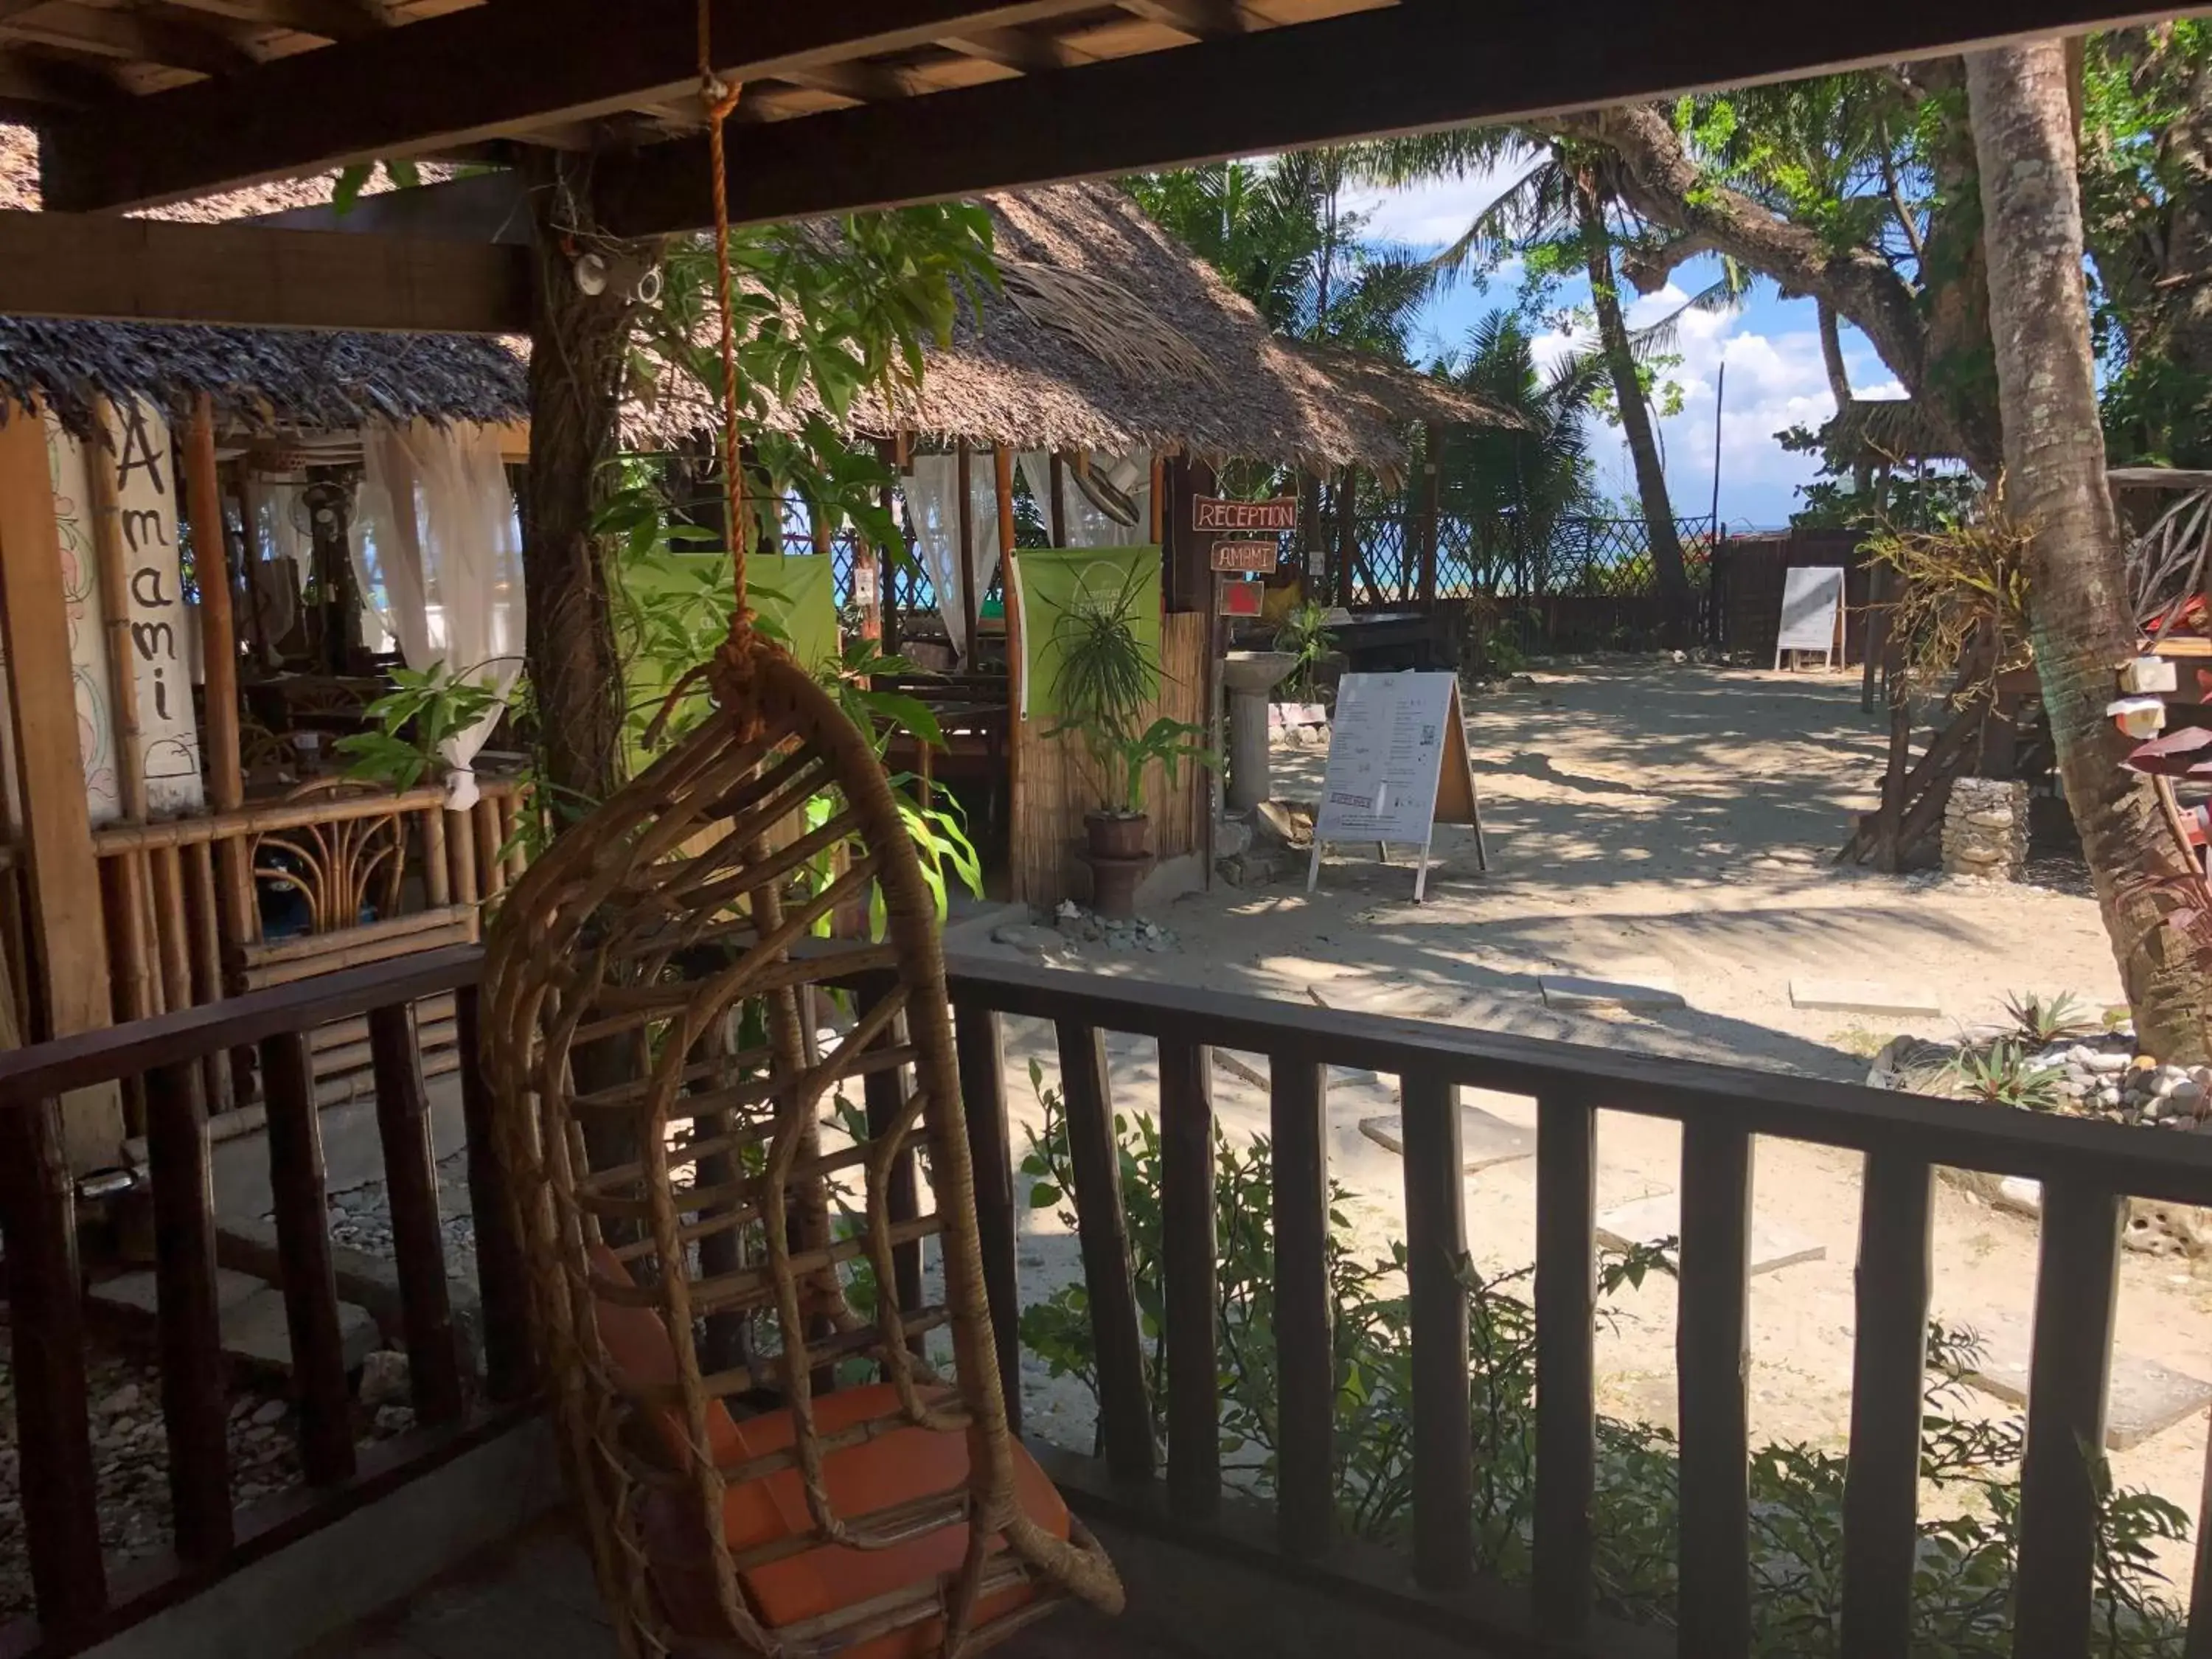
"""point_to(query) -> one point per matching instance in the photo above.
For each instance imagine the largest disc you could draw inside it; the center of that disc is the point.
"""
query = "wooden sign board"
(1240, 598)
(1811, 612)
(1235, 518)
(1260, 557)
(1398, 766)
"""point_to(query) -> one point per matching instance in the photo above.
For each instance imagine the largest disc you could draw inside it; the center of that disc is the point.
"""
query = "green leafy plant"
(2045, 1020)
(1104, 677)
(1998, 1074)
(423, 710)
(1304, 632)
(1968, 1544)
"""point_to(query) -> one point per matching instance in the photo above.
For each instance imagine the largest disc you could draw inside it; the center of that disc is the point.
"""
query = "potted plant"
(1104, 679)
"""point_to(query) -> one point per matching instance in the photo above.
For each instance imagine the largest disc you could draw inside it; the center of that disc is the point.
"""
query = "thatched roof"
(1112, 336)
(271, 382)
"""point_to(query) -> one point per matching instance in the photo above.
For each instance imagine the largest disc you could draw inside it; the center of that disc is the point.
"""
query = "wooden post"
(1058, 506)
(115, 613)
(1002, 467)
(971, 602)
(1432, 484)
(56, 833)
(1160, 501)
(1347, 531)
(219, 657)
(893, 452)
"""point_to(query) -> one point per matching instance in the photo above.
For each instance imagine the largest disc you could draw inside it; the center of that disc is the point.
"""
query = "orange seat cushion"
(897, 1467)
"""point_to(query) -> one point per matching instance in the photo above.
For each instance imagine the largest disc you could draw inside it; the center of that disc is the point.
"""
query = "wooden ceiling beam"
(480, 72)
(333, 20)
(1292, 87)
(1031, 54)
(38, 87)
(862, 83)
(151, 271)
(128, 37)
(1202, 19)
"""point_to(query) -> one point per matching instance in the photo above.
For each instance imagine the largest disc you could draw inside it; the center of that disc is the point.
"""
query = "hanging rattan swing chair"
(661, 1097)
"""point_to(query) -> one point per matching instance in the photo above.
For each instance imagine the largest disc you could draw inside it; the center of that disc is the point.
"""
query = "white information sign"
(1398, 766)
(1812, 609)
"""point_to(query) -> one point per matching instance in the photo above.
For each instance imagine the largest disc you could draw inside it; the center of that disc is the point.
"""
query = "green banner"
(1056, 584)
(798, 593)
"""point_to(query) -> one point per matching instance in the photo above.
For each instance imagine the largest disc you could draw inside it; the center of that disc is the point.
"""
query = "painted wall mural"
(160, 623)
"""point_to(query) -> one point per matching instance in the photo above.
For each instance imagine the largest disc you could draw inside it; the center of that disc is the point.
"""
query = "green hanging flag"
(796, 594)
(1050, 582)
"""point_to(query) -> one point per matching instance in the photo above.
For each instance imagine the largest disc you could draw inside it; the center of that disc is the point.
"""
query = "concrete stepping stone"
(1484, 1141)
(1862, 996)
(252, 1314)
(1647, 1220)
(2147, 1398)
(1632, 984)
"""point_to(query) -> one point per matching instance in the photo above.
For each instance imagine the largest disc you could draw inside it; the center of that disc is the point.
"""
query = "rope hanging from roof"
(663, 1074)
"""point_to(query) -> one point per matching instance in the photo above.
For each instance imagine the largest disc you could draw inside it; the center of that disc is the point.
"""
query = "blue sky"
(1772, 347)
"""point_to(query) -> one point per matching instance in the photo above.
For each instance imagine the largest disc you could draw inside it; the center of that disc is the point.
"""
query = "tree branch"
(1648, 265)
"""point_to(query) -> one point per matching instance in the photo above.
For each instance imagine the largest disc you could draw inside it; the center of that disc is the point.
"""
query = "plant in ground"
(1967, 1552)
(1304, 632)
(2045, 1020)
(1998, 1074)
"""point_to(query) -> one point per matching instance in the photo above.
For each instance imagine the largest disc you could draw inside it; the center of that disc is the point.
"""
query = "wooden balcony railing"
(2087, 1169)
(77, 1602)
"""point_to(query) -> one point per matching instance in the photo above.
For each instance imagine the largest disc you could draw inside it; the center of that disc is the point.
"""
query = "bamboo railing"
(420, 874)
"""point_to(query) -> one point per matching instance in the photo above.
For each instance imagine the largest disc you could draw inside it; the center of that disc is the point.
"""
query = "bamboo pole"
(491, 869)
(970, 601)
(437, 874)
(262, 820)
(1160, 499)
(1057, 508)
(237, 916)
(1002, 470)
(204, 921)
(170, 938)
(462, 844)
(509, 809)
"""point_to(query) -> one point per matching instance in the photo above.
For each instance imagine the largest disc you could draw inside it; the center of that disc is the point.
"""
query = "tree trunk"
(2054, 452)
(578, 346)
(1635, 419)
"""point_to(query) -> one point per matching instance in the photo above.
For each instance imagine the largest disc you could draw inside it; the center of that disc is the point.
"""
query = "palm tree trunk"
(1635, 417)
(2054, 451)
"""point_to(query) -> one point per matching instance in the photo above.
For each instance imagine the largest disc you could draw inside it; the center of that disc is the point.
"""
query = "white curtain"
(1085, 525)
(932, 499)
(437, 553)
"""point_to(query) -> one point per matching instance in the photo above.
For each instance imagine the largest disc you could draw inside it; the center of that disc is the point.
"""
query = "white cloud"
(1434, 215)
(1776, 380)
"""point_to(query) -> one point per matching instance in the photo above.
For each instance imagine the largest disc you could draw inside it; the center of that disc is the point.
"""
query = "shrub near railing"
(1963, 1587)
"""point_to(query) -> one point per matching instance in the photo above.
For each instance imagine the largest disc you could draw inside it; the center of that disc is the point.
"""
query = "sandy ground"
(1687, 815)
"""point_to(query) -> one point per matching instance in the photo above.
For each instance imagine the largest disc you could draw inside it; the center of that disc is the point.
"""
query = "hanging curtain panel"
(932, 503)
(437, 549)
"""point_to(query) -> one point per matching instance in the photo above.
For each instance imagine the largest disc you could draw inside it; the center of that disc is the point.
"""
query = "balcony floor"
(537, 1601)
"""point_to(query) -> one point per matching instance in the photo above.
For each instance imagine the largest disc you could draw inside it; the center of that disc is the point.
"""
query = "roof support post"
(1347, 531)
(68, 935)
(1432, 484)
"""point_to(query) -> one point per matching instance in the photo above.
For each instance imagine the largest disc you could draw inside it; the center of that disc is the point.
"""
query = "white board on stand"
(1398, 766)
(1812, 611)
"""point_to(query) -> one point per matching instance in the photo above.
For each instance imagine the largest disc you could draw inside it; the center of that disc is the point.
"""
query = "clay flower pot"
(1119, 853)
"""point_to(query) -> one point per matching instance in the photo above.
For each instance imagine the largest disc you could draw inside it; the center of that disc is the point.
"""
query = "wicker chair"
(663, 1102)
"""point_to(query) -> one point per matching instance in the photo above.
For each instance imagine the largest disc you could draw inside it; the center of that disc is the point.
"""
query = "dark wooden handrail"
(2177, 1168)
(2087, 1169)
(47, 1069)
(77, 1602)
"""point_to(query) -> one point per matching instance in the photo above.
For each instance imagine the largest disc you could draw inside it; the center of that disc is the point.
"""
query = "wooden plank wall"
(1054, 783)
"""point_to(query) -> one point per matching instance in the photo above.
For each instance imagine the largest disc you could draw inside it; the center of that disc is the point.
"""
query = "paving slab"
(251, 1312)
(1863, 996)
(1647, 1220)
(1483, 1141)
(2148, 1398)
(1633, 984)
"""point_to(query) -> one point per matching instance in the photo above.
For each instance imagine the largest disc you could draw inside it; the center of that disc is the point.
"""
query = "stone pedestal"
(1985, 829)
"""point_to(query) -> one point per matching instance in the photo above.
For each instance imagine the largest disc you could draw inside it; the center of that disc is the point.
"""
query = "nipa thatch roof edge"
(1111, 336)
(263, 382)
